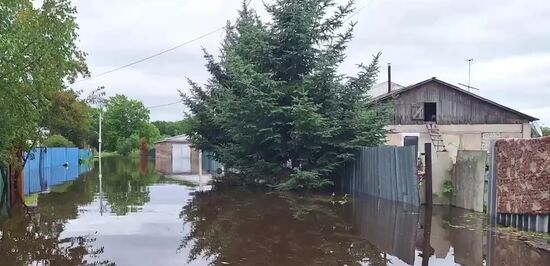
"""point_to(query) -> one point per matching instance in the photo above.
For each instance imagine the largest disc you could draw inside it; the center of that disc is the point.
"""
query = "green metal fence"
(209, 164)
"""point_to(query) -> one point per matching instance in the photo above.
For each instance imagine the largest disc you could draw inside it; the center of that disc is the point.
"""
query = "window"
(430, 112)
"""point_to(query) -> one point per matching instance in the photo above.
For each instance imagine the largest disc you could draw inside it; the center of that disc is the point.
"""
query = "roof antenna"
(470, 60)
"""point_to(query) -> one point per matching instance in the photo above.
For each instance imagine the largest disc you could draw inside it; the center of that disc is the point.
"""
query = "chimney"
(389, 77)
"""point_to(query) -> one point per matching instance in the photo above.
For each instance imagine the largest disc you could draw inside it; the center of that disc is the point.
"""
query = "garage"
(174, 155)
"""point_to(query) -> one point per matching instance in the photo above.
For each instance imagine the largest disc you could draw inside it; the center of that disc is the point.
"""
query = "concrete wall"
(469, 180)
(523, 175)
(455, 137)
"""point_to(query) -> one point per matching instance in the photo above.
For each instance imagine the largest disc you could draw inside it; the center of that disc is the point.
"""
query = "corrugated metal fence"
(209, 164)
(52, 166)
(386, 172)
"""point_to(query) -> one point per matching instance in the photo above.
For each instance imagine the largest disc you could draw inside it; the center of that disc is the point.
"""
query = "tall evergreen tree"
(275, 106)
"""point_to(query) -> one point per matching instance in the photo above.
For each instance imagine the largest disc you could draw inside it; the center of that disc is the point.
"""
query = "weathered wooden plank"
(453, 107)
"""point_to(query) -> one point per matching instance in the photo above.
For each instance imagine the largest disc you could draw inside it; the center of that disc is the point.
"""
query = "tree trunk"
(16, 181)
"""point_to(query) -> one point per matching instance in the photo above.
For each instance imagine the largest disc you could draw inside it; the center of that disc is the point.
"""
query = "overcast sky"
(509, 41)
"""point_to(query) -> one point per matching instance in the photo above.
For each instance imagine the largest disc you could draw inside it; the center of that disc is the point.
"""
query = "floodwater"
(136, 217)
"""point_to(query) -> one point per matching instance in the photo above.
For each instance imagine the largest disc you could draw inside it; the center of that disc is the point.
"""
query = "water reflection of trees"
(125, 183)
(32, 235)
(244, 227)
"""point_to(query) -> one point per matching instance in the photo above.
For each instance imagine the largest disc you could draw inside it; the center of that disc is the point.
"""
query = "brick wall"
(163, 157)
(523, 175)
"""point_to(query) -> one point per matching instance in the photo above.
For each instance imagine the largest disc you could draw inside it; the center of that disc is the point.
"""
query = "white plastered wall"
(455, 137)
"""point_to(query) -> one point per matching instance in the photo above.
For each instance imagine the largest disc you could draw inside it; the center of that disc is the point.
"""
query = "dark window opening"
(430, 112)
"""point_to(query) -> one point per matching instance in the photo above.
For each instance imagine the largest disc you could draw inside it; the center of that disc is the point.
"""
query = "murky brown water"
(143, 219)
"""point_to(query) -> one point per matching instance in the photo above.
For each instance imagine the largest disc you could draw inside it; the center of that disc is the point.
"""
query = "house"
(452, 119)
(174, 155)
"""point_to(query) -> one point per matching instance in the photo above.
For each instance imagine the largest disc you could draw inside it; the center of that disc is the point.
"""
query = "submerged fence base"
(386, 172)
(525, 222)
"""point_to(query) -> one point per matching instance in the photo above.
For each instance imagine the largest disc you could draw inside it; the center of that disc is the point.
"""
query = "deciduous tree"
(38, 56)
(124, 118)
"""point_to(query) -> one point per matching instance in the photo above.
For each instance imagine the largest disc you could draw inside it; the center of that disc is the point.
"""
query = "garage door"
(181, 158)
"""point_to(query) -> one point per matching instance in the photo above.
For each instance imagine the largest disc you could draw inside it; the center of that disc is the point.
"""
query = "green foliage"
(448, 188)
(38, 55)
(124, 118)
(150, 132)
(173, 128)
(68, 116)
(58, 141)
(305, 180)
(546, 131)
(127, 145)
(275, 102)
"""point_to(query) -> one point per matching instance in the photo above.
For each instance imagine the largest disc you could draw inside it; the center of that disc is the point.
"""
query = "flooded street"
(137, 217)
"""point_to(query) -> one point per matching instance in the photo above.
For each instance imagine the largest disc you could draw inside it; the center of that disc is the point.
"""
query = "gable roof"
(386, 96)
(174, 139)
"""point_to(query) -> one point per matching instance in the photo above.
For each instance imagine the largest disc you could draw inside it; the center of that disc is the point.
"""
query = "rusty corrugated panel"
(523, 175)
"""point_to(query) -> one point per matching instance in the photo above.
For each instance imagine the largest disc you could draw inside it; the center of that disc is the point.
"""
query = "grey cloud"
(422, 39)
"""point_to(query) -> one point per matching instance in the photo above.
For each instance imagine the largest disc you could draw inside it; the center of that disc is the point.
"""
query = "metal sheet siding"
(45, 168)
(385, 172)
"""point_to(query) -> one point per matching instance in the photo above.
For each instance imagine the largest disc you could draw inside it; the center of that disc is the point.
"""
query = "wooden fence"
(385, 172)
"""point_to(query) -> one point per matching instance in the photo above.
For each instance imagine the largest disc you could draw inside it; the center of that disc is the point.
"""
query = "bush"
(305, 180)
(125, 146)
(58, 141)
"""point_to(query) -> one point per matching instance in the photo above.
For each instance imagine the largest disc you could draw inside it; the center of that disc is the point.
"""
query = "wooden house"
(451, 119)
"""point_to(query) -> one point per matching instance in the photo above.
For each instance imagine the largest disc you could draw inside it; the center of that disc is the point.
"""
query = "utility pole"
(100, 174)
(200, 169)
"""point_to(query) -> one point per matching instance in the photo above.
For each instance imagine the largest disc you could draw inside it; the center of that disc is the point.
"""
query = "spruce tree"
(275, 106)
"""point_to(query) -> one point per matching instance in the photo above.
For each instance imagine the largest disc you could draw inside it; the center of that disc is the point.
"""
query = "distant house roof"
(175, 139)
(382, 88)
(386, 96)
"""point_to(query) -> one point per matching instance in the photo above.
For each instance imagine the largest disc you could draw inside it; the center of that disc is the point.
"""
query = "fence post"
(492, 205)
(428, 173)
(492, 190)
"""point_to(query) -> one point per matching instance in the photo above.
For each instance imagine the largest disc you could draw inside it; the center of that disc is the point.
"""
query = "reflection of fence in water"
(3, 194)
(53, 166)
(389, 225)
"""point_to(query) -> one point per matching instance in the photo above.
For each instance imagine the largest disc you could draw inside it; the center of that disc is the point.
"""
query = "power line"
(163, 105)
(183, 44)
(153, 55)
(157, 54)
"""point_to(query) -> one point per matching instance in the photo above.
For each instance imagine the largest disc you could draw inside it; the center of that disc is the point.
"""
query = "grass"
(31, 199)
(107, 154)
(62, 187)
(524, 234)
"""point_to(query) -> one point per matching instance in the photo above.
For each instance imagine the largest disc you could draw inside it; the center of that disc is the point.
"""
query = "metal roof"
(417, 85)
(175, 139)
